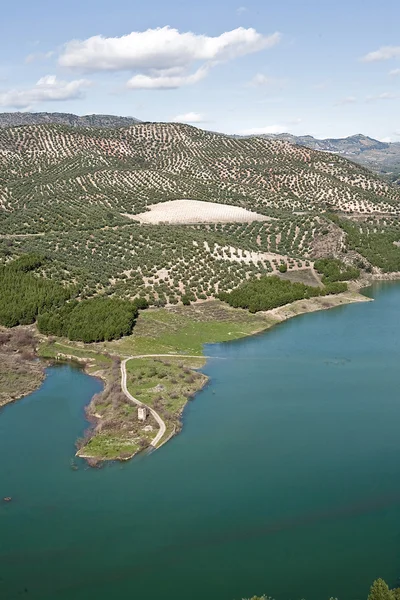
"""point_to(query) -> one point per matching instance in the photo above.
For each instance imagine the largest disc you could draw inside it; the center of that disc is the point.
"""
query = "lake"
(284, 481)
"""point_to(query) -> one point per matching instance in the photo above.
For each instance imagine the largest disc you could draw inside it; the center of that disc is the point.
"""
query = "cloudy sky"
(329, 69)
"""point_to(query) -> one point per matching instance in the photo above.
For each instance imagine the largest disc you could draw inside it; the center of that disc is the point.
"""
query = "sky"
(328, 69)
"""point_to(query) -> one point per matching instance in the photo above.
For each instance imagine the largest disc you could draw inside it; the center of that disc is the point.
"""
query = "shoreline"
(10, 399)
(21, 372)
(280, 315)
(272, 317)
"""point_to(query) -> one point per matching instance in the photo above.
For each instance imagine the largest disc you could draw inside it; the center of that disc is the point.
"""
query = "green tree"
(380, 591)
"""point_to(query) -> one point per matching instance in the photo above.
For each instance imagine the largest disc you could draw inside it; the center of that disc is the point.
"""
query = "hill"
(71, 194)
(380, 157)
(14, 119)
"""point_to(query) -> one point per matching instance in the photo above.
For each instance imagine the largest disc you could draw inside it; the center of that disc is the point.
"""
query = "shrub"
(23, 295)
(185, 300)
(93, 320)
(334, 269)
(270, 291)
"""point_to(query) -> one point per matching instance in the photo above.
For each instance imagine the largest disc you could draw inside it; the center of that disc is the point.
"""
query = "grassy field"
(185, 329)
(165, 384)
(108, 446)
(116, 432)
(94, 360)
(176, 330)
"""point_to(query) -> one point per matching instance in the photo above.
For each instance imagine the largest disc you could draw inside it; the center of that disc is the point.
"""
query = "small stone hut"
(142, 413)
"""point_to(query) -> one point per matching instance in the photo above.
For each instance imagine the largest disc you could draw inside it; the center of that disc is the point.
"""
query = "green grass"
(109, 446)
(52, 349)
(163, 384)
(179, 330)
(185, 330)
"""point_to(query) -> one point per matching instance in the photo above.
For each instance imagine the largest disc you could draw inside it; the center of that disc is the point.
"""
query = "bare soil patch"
(306, 276)
(188, 212)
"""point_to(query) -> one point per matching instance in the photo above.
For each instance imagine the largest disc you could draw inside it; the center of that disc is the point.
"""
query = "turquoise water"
(284, 481)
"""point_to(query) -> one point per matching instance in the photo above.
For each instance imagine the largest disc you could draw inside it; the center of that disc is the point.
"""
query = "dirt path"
(157, 417)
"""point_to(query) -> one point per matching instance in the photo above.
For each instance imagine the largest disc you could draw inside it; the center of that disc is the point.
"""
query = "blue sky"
(329, 69)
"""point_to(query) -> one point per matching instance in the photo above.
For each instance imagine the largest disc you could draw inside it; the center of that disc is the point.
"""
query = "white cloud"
(161, 49)
(167, 80)
(346, 100)
(163, 58)
(384, 53)
(190, 117)
(394, 72)
(383, 96)
(261, 80)
(271, 129)
(38, 56)
(47, 89)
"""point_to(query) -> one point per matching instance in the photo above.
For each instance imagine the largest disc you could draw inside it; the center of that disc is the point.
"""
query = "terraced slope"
(53, 177)
(66, 192)
(381, 157)
(15, 119)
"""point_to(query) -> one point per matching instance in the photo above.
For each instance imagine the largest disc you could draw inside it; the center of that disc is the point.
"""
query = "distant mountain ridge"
(354, 144)
(381, 157)
(15, 119)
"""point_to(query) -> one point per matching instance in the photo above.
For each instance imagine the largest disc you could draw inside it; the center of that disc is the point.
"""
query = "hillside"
(380, 157)
(14, 119)
(72, 194)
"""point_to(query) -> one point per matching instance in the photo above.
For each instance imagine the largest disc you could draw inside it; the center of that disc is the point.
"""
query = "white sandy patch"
(196, 211)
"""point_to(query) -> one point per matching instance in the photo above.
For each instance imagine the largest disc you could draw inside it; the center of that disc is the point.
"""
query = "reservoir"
(285, 480)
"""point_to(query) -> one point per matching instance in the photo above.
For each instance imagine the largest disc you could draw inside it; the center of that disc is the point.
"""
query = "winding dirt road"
(155, 443)
(157, 417)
